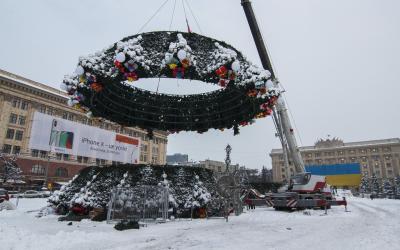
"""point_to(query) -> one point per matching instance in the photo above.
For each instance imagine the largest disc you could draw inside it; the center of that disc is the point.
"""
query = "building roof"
(347, 145)
(27, 82)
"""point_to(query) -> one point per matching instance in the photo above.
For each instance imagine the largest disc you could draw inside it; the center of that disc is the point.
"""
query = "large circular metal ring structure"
(104, 83)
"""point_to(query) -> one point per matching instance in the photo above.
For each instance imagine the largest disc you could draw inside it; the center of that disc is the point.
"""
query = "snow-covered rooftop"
(348, 145)
(27, 82)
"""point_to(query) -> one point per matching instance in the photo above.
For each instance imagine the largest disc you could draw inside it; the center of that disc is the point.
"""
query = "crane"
(304, 189)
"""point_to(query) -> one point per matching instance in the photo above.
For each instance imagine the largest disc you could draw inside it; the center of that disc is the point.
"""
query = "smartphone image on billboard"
(59, 137)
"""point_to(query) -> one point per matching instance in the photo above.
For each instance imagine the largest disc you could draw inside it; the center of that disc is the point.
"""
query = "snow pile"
(370, 225)
(7, 205)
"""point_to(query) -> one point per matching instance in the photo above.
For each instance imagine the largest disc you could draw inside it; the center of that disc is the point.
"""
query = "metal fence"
(140, 203)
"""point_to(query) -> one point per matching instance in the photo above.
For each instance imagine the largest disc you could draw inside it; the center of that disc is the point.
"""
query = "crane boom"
(281, 117)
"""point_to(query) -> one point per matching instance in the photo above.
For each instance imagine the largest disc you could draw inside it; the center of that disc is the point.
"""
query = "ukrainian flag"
(338, 174)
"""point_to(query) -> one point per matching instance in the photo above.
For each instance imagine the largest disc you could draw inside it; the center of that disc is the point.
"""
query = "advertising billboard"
(58, 135)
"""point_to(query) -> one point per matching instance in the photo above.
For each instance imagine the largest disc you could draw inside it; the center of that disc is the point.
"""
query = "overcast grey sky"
(338, 60)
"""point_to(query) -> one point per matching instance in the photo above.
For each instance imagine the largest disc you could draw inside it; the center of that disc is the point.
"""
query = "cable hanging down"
(194, 17)
(151, 18)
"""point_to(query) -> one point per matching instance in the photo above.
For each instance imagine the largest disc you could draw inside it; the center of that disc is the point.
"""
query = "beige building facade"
(20, 98)
(216, 166)
(381, 157)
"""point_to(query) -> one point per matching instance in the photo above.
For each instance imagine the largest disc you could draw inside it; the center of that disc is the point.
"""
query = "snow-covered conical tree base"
(91, 188)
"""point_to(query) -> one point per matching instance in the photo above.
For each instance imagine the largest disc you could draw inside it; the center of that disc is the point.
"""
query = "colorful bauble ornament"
(178, 72)
(131, 76)
(221, 71)
(185, 63)
(235, 66)
(120, 57)
(97, 87)
(79, 70)
(269, 84)
(181, 54)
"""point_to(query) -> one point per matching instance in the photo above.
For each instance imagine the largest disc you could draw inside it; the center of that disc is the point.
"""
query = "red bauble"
(221, 71)
(97, 87)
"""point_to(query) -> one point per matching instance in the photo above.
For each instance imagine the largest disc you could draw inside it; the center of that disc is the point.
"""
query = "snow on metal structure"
(141, 203)
(304, 190)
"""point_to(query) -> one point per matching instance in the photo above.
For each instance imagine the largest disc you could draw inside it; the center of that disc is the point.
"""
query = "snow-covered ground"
(369, 225)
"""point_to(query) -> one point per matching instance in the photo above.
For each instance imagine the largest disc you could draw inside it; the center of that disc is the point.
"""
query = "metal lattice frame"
(141, 203)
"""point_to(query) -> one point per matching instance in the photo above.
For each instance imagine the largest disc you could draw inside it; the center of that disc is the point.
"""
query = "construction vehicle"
(304, 190)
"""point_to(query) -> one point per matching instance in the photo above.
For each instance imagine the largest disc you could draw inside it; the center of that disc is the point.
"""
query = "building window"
(374, 150)
(38, 169)
(16, 150)
(10, 134)
(342, 160)
(65, 115)
(388, 165)
(66, 157)
(353, 159)
(18, 135)
(85, 159)
(42, 109)
(61, 172)
(340, 152)
(50, 111)
(352, 151)
(7, 148)
(71, 117)
(317, 154)
(34, 153)
(43, 154)
(13, 118)
(15, 103)
(79, 159)
(387, 149)
(22, 120)
(59, 156)
(102, 162)
(390, 173)
(362, 151)
(24, 105)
